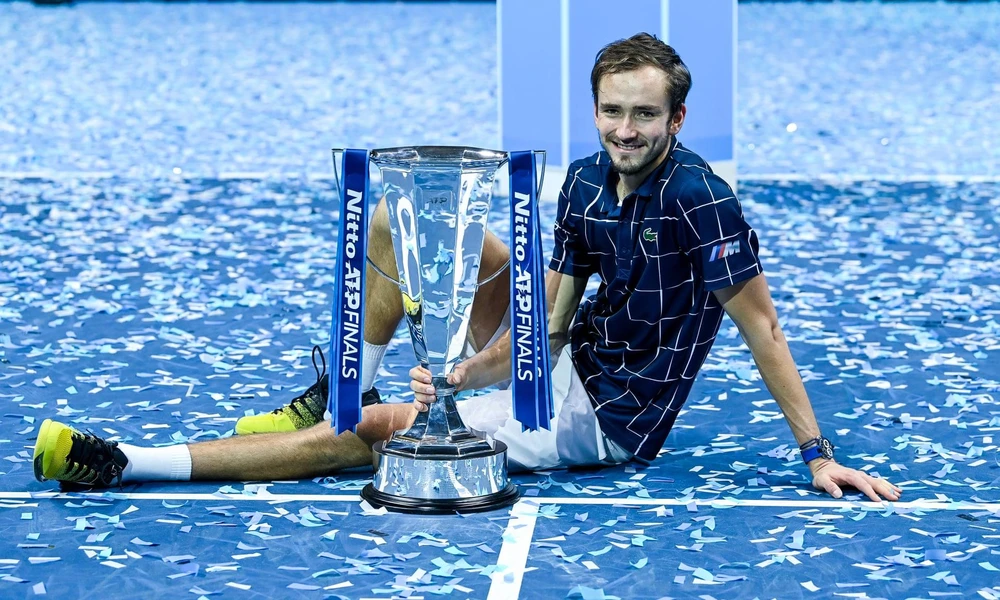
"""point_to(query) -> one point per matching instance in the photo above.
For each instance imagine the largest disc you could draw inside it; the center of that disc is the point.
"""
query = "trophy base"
(440, 484)
(422, 506)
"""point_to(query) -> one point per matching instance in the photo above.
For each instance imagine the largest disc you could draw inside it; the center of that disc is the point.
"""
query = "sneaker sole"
(38, 461)
(49, 435)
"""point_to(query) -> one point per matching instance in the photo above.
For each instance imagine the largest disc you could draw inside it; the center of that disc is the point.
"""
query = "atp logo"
(723, 250)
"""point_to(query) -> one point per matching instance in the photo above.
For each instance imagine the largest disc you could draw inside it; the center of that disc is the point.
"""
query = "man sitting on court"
(667, 238)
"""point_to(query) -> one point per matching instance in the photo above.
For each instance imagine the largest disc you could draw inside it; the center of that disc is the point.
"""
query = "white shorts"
(575, 438)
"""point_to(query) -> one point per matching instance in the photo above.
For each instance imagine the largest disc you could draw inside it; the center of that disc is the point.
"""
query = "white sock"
(371, 356)
(166, 463)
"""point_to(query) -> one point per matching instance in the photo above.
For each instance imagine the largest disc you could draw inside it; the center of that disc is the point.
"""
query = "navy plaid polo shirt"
(639, 342)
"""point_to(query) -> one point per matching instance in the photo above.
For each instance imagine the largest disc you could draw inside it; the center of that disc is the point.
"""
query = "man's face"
(633, 119)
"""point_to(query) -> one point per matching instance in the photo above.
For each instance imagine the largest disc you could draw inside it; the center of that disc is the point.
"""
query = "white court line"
(747, 177)
(514, 551)
(191, 176)
(56, 175)
(858, 177)
(923, 504)
(256, 497)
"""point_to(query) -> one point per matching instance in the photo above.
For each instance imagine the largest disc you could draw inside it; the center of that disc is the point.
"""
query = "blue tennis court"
(156, 306)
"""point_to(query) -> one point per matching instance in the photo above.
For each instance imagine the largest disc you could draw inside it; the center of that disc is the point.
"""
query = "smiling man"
(667, 238)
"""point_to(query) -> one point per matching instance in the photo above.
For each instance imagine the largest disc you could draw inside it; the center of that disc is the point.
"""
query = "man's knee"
(380, 421)
(380, 249)
(380, 218)
(495, 255)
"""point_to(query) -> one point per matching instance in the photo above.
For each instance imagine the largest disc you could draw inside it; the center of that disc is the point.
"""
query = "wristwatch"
(816, 448)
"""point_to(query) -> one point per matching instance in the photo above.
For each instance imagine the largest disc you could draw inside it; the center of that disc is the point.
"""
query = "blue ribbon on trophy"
(531, 378)
(347, 332)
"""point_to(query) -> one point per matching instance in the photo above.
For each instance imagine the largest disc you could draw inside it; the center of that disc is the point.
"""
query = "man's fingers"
(420, 374)
(422, 401)
(865, 488)
(421, 388)
(423, 391)
(888, 490)
(833, 489)
(875, 489)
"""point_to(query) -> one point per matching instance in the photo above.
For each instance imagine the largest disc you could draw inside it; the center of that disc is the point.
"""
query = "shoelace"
(300, 400)
(96, 445)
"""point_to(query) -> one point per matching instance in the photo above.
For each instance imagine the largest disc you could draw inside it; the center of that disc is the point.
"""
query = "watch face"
(825, 448)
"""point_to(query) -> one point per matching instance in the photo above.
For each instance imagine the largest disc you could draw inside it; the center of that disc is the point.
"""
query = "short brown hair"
(639, 51)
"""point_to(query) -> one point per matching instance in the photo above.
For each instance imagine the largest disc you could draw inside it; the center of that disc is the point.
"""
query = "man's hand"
(830, 476)
(423, 391)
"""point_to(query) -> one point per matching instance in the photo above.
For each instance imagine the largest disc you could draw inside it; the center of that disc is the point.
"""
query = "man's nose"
(626, 129)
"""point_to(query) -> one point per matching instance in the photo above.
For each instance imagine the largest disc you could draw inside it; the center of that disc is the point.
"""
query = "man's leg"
(492, 299)
(312, 452)
(574, 437)
(64, 454)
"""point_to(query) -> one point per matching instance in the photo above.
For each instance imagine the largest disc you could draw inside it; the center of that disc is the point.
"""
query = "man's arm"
(749, 305)
(492, 365)
(563, 293)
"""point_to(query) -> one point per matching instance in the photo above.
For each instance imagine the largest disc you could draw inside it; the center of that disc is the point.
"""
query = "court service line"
(918, 504)
(514, 552)
(858, 177)
(268, 175)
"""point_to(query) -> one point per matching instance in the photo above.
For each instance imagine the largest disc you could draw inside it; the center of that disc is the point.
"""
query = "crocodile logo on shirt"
(649, 235)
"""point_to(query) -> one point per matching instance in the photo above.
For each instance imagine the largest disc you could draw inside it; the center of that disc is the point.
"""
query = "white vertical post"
(547, 49)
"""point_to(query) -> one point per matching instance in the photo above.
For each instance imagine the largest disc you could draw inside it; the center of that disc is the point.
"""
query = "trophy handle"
(541, 171)
(336, 173)
(495, 274)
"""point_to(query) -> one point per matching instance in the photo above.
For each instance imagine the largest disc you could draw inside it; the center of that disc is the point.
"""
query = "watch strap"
(810, 454)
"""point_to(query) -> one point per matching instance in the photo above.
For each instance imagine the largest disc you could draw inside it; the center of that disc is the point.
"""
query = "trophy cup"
(438, 200)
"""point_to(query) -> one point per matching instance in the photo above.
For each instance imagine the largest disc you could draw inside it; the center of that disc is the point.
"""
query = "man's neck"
(630, 183)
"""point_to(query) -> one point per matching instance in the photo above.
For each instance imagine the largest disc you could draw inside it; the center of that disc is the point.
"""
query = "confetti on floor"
(158, 304)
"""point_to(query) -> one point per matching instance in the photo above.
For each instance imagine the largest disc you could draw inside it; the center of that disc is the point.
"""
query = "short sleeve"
(571, 256)
(720, 244)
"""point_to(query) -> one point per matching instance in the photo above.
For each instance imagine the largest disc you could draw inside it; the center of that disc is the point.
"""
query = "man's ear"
(677, 120)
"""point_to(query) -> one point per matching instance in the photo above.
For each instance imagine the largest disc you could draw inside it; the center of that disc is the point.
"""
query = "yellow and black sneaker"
(303, 411)
(69, 456)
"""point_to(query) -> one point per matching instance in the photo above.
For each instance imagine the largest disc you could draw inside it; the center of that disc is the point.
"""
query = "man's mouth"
(627, 147)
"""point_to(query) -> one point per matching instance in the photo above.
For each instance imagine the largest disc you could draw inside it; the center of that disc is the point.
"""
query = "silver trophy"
(438, 199)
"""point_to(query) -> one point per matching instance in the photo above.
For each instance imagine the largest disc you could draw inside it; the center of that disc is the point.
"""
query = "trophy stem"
(439, 431)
